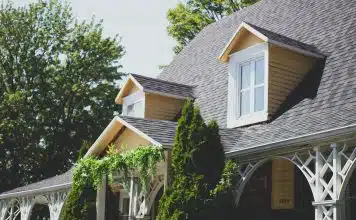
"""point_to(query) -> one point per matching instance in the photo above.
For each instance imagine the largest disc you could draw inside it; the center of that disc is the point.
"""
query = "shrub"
(197, 163)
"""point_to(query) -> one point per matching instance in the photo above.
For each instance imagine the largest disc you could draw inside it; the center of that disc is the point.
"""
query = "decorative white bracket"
(26, 205)
(148, 198)
(55, 203)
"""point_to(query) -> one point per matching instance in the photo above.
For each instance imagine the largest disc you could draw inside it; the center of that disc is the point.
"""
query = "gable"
(248, 35)
(129, 87)
(120, 133)
(128, 140)
(242, 40)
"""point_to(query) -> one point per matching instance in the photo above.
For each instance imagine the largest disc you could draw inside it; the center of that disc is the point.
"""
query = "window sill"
(248, 120)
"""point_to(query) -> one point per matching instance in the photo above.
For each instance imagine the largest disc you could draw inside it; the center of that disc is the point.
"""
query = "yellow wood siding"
(246, 40)
(161, 107)
(286, 70)
(129, 140)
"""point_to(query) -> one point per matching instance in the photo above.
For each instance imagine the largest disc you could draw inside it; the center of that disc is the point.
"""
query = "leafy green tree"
(187, 19)
(193, 176)
(80, 204)
(58, 79)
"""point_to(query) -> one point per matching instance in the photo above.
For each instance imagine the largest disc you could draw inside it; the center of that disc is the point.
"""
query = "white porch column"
(328, 204)
(100, 200)
(55, 203)
(26, 204)
(318, 187)
(133, 197)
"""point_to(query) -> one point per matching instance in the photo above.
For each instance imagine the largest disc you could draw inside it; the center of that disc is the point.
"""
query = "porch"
(305, 181)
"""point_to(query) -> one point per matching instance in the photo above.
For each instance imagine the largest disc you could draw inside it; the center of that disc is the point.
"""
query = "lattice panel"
(13, 210)
(327, 175)
(327, 212)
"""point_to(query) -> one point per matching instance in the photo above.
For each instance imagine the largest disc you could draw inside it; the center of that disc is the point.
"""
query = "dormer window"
(264, 68)
(248, 72)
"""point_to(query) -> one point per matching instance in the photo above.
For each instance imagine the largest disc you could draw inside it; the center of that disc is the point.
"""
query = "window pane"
(260, 72)
(259, 99)
(245, 76)
(245, 103)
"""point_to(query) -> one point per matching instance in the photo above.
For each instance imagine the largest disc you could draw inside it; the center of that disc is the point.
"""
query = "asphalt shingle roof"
(159, 130)
(43, 186)
(164, 131)
(326, 100)
(286, 40)
(157, 85)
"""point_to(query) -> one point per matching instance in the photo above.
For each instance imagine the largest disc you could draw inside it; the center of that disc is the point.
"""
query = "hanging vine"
(141, 161)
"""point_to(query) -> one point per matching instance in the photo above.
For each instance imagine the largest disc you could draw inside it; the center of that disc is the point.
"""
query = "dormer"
(150, 98)
(264, 67)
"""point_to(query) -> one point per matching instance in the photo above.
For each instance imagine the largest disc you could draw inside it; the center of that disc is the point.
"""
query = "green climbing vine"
(141, 161)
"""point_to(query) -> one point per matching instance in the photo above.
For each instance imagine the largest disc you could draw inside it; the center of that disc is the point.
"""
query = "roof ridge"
(161, 80)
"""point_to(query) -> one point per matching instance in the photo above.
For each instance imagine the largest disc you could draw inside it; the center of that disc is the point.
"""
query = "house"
(279, 77)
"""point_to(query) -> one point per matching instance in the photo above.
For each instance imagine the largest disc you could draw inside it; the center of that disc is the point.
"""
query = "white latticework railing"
(12, 211)
(327, 169)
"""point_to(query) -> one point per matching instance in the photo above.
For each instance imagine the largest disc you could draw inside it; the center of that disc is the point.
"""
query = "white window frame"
(134, 98)
(237, 59)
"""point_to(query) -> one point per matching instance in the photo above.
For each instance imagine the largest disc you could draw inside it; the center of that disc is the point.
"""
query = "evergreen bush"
(197, 163)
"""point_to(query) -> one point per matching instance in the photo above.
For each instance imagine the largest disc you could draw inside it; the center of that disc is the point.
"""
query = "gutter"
(299, 140)
(34, 191)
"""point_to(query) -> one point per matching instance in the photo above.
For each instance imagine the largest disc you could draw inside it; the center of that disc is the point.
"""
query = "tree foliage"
(58, 79)
(186, 20)
(81, 201)
(197, 164)
(88, 174)
(142, 159)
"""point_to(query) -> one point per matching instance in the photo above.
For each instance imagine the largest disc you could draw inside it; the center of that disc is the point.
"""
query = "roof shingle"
(161, 86)
(321, 25)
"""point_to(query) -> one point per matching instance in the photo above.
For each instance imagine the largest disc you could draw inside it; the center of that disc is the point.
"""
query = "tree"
(186, 20)
(197, 164)
(58, 79)
(81, 202)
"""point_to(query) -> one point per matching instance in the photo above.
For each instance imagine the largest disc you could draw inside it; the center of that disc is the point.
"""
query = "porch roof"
(59, 182)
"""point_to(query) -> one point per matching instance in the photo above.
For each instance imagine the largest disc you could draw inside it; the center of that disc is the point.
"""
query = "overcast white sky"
(141, 24)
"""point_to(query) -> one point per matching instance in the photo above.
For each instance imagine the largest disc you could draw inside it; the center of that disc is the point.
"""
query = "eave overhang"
(126, 87)
(224, 56)
(344, 132)
(132, 81)
(111, 131)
